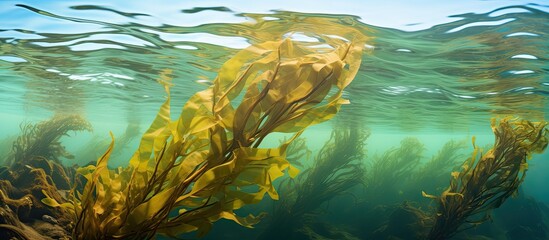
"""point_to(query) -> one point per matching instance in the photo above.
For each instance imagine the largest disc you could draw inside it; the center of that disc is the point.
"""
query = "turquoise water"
(432, 70)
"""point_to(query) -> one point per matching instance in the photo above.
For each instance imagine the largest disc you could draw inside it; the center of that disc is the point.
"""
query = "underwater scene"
(263, 120)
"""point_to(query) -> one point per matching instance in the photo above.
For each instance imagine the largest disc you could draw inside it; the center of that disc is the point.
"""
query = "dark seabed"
(282, 120)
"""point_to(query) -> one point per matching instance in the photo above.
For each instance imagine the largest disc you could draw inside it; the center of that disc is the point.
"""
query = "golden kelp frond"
(188, 173)
(392, 169)
(43, 139)
(336, 169)
(488, 179)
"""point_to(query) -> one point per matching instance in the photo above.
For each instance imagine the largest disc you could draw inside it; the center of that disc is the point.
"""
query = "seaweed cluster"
(210, 163)
(391, 207)
(43, 139)
(188, 173)
(34, 172)
(488, 179)
(336, 169)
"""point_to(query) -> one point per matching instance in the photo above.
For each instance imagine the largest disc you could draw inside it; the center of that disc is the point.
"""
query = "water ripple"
(96, 57)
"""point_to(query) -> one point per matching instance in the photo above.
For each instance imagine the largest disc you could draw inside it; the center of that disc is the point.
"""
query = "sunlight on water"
(478, 63)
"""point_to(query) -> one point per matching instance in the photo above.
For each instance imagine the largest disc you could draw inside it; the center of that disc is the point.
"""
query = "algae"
(336, 169)
(43, 139)
(188, 173)
(34, 171)
(488, 179)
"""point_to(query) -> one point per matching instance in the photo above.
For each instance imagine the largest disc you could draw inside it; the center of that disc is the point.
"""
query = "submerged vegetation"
(336, 169)
(34, 171)
(43, 139)
(210, 163)
(188, 173)
(488, 179)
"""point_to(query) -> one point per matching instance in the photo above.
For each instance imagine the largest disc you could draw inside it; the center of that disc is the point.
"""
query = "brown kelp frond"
(336, 169)
(488, 179)
(392, 169)
(43, 139)
(188, 173)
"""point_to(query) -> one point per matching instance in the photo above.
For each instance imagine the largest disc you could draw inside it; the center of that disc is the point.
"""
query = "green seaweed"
(488, 179)
(337, 168)
(188, 173)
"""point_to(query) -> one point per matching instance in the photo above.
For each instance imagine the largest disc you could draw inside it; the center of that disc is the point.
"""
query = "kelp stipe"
(188, 173)
(486, 181)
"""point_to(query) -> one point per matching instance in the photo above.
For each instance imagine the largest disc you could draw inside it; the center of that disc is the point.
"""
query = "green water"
(435, 82)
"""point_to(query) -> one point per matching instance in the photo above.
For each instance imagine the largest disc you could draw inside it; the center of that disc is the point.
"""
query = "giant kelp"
(337, 167)
(487, 180)
(188, 173)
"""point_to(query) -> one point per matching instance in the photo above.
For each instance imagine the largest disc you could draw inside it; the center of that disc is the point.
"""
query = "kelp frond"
(188, 173)
(488, 179)
(43, 139)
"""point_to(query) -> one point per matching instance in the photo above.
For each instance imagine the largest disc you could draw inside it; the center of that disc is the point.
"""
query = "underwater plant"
(188, 173)
(43, 139)
(431, 174)
(34, 171)
(487, 180)
(337, 168)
